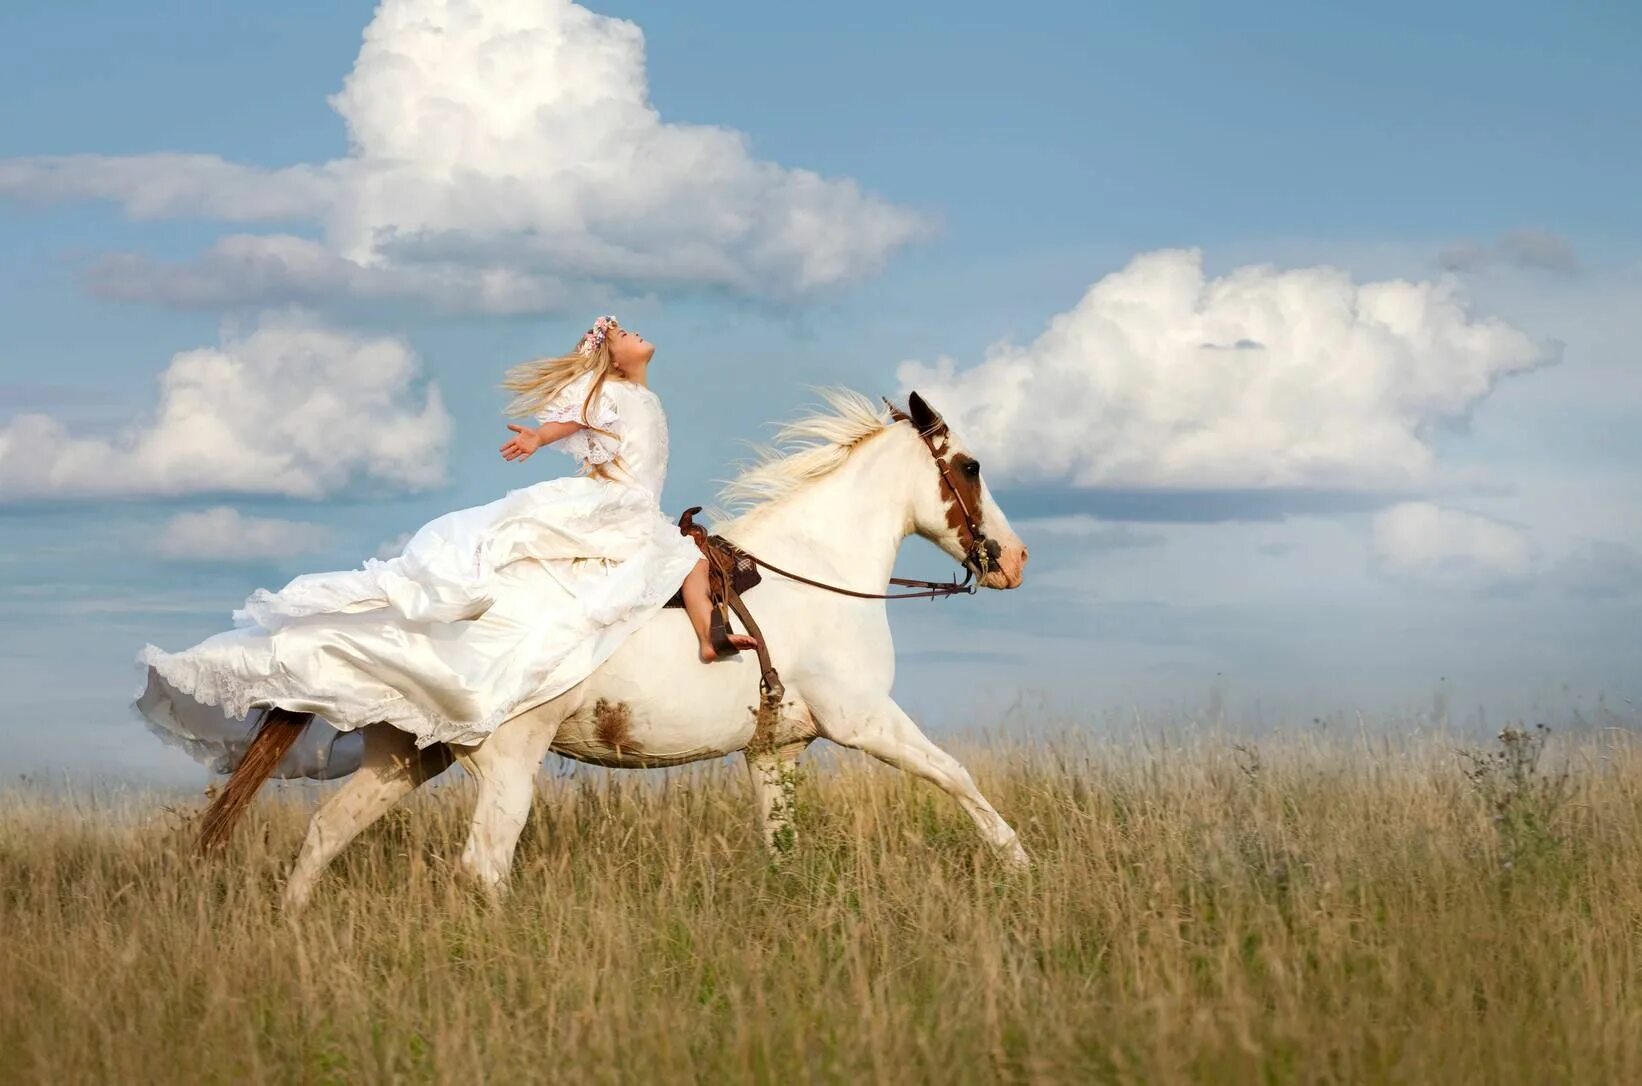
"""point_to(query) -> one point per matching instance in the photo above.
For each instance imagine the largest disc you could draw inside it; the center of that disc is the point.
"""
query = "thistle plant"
(1523, 800)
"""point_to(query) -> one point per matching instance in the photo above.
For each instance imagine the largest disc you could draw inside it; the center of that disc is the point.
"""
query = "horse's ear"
(924, 417)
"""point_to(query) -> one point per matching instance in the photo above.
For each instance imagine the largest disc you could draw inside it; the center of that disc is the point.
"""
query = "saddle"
(731, 571)
(727, 566)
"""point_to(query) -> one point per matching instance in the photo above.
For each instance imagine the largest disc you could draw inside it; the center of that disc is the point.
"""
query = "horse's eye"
(973, 469)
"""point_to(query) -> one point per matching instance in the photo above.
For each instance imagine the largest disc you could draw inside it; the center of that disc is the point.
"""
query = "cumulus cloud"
(291, 270)
(1328, 385)
(1534, 250)
(223, 534)
(292, 409)
(1422, 542)
(497, 152)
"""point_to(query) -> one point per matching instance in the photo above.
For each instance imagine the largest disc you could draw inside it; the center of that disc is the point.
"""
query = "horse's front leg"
(774, 776)
(875, 724)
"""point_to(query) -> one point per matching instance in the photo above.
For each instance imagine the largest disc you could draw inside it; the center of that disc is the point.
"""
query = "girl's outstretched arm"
(527, 439)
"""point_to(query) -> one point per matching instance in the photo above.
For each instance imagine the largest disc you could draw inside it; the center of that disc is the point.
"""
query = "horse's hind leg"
(392, 768)
(505, 765)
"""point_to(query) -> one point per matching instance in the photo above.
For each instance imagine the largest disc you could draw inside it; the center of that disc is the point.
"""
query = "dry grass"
(1291, 912)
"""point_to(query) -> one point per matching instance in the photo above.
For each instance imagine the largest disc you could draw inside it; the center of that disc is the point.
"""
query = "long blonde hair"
(537, 383)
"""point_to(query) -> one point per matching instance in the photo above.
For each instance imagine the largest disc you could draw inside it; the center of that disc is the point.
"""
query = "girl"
(627, 445)
(488, 611)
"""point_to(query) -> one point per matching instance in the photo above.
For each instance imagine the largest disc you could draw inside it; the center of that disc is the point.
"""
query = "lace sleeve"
(588, 446)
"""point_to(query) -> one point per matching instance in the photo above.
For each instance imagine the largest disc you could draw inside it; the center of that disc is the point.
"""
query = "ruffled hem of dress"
(237, 698)
(221, 751)
(214, 754)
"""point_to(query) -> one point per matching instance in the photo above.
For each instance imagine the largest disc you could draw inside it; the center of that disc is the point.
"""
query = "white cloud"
(282, 269)
(497, 152)
(1426, 543)
(292, 409)
(1260, 379)
(1089, 532)
(394, 547)
(223, 534)
(1534, 250)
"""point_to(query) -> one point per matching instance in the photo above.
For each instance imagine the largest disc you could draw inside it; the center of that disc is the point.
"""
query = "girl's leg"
(700, 610)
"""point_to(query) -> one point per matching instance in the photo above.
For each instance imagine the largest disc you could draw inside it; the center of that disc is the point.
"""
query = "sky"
(1299, 344)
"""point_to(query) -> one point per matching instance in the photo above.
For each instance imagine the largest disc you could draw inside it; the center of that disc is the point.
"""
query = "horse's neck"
(845, 527)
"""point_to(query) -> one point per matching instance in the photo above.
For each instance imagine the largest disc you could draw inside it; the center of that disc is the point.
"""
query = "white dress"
(488, 612)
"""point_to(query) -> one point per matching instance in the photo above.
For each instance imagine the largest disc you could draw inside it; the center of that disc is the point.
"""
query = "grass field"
(1290, 911)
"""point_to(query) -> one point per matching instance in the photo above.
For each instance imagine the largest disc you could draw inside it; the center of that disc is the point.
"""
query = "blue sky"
(1466, 535)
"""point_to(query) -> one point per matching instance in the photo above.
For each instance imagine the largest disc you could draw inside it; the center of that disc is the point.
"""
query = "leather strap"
(932, 590)
(976, 556)
(711, 543)
(721, 557)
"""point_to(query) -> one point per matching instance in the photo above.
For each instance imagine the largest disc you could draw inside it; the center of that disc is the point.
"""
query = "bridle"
(980, 553)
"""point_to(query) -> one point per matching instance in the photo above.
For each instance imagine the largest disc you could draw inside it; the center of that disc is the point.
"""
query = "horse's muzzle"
(1004, 567)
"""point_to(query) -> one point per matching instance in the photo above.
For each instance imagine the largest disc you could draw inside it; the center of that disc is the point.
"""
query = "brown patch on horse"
(613, 725)
(968, 482)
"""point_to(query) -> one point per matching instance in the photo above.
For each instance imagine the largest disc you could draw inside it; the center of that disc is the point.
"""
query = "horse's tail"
(280, 729)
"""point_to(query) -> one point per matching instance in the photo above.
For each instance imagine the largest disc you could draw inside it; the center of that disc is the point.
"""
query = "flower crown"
(596, 335)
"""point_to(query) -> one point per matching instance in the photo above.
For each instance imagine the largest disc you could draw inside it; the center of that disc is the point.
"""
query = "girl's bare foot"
(740, 641)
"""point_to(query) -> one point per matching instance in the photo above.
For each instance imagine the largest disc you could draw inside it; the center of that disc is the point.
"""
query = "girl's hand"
(523, 442)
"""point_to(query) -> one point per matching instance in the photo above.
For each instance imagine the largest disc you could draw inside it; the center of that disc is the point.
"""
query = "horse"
(835, 500)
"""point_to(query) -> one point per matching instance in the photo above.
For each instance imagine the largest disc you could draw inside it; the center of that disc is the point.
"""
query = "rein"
(739, 557)
(931, 590)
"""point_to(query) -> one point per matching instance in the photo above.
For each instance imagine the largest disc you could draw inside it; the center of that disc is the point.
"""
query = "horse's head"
(956, 511)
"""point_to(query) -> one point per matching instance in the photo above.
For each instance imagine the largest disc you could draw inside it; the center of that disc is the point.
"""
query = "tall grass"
(1291, 911)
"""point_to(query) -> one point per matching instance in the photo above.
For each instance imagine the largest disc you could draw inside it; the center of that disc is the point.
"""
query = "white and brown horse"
(854, 484)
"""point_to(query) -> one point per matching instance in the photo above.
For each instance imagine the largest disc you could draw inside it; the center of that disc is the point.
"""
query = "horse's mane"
(804, 450)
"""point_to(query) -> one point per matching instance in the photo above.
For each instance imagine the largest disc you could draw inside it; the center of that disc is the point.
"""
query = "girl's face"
(629, 350)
